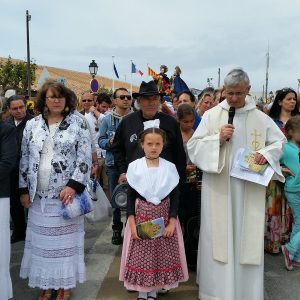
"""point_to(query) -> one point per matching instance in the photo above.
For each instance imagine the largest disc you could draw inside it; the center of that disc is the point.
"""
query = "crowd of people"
(175, 154)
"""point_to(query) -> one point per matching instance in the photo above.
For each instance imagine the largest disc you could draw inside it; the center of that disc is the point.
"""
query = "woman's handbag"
(81, 205)
(102, 208)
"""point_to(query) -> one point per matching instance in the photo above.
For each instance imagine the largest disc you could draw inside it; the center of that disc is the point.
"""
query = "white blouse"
(46, 158)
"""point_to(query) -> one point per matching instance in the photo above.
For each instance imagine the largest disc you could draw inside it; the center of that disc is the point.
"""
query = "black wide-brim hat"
(119, 196)
(148, 89)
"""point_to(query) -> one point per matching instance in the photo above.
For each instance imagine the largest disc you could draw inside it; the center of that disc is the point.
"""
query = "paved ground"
(103, 260)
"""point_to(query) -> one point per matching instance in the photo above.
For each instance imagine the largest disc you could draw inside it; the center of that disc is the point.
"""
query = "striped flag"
(116, 72)
(151, 72)
(135, 70)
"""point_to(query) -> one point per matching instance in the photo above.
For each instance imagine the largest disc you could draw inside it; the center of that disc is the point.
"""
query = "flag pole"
(148, 70)
(113, 83)
(131, 78)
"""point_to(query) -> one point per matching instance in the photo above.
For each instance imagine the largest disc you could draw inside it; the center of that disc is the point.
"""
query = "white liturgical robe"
(230, 252)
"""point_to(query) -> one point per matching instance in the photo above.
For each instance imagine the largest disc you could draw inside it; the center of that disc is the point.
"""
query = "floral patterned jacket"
(72, 159)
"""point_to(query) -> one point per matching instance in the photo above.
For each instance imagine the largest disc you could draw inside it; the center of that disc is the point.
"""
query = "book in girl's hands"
(247, 162)
(151, 229)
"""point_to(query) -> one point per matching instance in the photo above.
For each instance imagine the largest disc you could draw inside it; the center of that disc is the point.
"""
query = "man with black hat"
(126, 146)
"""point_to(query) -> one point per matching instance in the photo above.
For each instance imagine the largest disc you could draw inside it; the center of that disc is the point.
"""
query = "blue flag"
(133, 68)
(116, 72)
(179, 85)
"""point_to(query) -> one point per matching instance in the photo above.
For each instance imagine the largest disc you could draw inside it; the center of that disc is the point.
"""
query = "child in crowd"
(291, 160)
(149, 265)
(190, 196)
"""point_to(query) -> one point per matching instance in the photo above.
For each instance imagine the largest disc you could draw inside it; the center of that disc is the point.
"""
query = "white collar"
(154, 184)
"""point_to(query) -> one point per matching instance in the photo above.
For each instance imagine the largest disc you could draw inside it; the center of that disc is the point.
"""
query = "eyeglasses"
(87, 100)
(237, 94)
(53, 98)
(122, 97)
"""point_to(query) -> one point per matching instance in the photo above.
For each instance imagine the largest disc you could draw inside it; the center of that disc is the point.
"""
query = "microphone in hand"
(231, 114)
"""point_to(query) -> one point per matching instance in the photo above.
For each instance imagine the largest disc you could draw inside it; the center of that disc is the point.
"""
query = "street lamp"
(209, 80)
(93, 67)
(28, 18)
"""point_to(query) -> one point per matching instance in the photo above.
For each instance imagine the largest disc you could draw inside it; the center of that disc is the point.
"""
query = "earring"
(67, 109)
(45, 112)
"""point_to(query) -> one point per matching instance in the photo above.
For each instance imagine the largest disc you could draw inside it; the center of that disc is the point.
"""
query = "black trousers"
(17, 212)
(189, 217)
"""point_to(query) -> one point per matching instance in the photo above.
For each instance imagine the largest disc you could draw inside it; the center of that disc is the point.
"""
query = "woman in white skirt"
(8, 157)
(55, 165)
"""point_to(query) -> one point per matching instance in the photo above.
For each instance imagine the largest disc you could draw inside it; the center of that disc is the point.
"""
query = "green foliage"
(14, 75)
(103, 89)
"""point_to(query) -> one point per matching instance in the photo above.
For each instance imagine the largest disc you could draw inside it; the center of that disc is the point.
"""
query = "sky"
(199, 36)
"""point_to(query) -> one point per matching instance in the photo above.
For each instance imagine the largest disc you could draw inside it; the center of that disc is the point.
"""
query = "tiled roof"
(79, 81)
(76, 81)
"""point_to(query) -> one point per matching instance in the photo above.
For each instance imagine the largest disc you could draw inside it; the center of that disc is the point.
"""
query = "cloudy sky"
(199, 36)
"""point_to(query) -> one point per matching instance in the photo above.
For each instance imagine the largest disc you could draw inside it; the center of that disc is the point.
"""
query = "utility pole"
(219, 77)
(28, 18)
(267, 74)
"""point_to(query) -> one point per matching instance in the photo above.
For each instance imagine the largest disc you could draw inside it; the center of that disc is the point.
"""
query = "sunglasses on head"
(287, 90)
(87, 100)
(122, 97)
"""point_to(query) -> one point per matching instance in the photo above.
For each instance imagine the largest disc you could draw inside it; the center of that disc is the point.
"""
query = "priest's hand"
(260, 159)
(169, 230)
(226, 133)
(132, 225)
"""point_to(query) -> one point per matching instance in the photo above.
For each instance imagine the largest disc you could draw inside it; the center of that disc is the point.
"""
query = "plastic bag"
(101, 207)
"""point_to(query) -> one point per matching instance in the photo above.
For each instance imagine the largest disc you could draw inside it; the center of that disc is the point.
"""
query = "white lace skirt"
(54, 248)
(5, 281)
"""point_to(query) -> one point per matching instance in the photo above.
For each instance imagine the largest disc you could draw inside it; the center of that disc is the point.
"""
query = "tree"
(103, 89)
(13, 74)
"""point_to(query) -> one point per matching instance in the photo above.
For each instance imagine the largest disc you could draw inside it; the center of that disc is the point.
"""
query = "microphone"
(231, 114)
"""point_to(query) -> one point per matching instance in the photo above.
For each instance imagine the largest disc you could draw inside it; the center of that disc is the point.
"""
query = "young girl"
(291, 160)
(151, 264)
(190, 196)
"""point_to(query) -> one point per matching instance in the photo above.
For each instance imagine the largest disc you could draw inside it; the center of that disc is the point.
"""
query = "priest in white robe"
(231, 257)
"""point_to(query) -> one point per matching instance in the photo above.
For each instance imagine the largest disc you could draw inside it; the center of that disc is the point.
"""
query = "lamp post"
(209, 80)
(28, 18)
(298, 85)
(93, 67)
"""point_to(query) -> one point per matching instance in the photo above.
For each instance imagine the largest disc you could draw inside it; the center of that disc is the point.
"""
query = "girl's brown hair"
(153, 130)
(291, 125)
(184, 110)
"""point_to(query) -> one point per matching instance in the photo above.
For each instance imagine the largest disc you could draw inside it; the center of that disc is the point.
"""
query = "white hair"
(235, 76)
